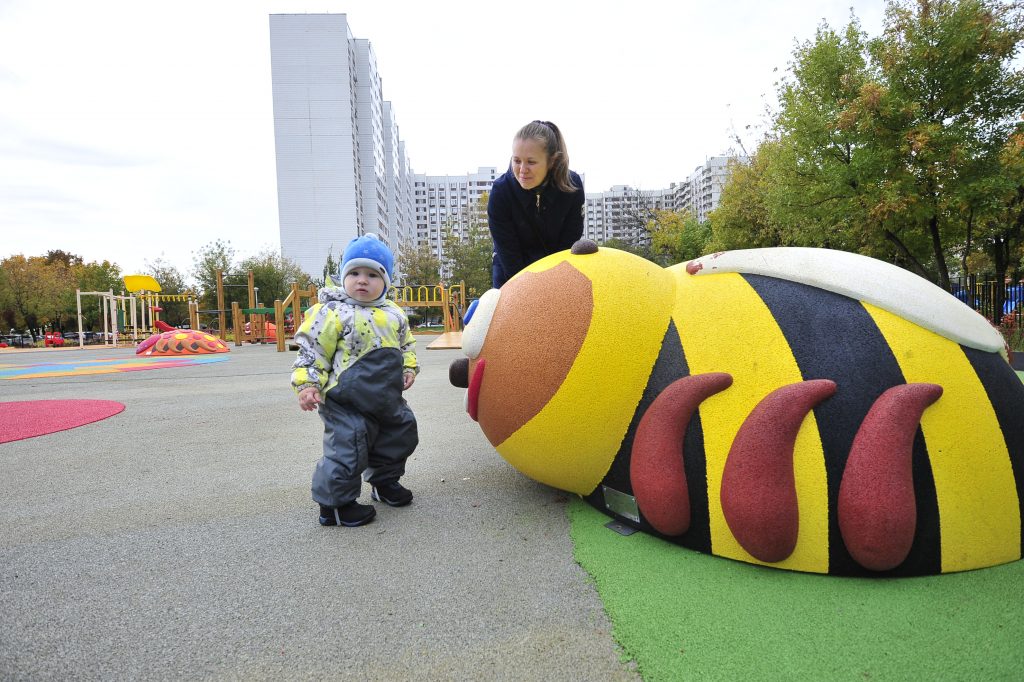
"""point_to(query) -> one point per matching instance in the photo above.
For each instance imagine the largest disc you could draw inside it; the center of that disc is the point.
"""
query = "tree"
(636, 214)
(419, 265)
(467, 248)
(884, 143)
(818, 173)
(743, 219)
(58, 282)
(1001, 229)
(214, 256)
(955, 95)
(273, 274)
(677, 236)
(68, 259)
(93, 276)
(24, 290)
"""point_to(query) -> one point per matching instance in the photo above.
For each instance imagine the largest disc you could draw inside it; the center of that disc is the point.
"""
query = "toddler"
(356, 356)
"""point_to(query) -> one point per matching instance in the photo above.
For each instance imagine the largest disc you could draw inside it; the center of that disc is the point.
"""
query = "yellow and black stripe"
(968, 452)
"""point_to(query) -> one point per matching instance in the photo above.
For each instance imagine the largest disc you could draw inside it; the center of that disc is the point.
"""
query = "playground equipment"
(452, 302)
(181, 342)
(806, 409)
(134, 313)
(253, 326)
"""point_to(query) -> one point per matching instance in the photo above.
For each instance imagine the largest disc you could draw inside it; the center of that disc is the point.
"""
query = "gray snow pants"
(368, 428)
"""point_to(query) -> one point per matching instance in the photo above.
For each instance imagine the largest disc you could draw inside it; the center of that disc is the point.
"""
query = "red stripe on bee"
(656, 463)
(877, 509)
(758, 495)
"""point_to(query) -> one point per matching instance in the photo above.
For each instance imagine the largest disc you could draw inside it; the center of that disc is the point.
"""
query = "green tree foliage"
(893, 146)
(23, 290)
(677, 236)
(211, 257)
(58, 308)
(897, 146)
(39, 291)
(273, 274)
(419, 265)
(466, 250)
(743, 218)
(1001, 228)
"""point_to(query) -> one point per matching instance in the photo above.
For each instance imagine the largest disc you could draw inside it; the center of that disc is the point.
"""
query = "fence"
(983, 296)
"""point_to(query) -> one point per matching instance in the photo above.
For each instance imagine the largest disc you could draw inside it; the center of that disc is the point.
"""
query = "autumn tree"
(23, 283)
(419, 265)
(889, 146)
(743, 218)
(57, 279)
(677, 236)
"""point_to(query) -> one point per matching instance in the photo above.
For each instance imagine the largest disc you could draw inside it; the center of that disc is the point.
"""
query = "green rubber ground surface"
(683, 615)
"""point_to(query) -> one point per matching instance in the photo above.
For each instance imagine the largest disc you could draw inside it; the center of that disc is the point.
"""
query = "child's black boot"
(351, 514)
(393, 494)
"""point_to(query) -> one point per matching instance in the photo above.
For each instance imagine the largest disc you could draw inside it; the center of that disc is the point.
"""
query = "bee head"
(556, 356)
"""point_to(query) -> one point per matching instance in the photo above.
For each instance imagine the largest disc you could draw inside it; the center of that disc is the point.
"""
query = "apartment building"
(620, 213)
(341, 168)
(449, 200)
(705, 184)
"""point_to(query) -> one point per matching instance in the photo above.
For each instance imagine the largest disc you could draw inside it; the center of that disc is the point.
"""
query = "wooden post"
(279, 321)
(193, 314)
(236, 323)
(222, 322)
(296, 307)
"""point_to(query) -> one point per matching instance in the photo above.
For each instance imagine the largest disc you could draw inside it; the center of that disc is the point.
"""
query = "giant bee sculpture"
(807, 409)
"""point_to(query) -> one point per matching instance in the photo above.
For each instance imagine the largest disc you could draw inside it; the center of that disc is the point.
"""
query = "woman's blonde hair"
(547, 134)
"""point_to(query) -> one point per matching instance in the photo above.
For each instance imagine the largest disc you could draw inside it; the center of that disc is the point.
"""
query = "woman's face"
(529, 162)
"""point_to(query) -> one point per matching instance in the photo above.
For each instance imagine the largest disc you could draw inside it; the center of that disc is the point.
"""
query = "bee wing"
(881, 284)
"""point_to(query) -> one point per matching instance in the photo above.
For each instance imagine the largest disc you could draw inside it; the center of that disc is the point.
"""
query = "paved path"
(178, 540)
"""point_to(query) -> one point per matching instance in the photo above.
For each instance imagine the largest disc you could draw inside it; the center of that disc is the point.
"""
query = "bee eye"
(476, 331)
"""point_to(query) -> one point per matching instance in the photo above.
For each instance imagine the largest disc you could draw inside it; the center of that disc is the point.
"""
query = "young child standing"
(356, 356)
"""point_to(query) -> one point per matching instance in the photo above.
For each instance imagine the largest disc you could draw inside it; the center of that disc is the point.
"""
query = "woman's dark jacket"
(525, 230)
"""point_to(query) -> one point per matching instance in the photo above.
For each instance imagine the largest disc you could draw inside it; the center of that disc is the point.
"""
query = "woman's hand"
(407, 380)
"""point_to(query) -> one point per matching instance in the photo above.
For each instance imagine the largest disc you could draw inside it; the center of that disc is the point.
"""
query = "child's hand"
(407, 379)
(309, 398)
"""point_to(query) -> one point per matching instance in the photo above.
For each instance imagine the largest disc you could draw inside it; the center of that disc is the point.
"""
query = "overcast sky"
(137, 130)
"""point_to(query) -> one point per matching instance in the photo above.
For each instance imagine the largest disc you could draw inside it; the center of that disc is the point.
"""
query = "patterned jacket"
(335, 335)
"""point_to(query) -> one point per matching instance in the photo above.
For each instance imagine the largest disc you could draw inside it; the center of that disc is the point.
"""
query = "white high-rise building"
(339, 162)
(343, 170)
(706, 184)
(449, 200)
(619, 212)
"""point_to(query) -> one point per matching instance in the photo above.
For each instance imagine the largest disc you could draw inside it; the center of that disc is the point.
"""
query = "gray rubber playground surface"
(178, 540)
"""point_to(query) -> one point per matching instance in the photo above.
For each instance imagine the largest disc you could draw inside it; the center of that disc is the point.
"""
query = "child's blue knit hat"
(370, 252)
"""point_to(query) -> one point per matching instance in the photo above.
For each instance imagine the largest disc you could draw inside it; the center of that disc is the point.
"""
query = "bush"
(1013, 331)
